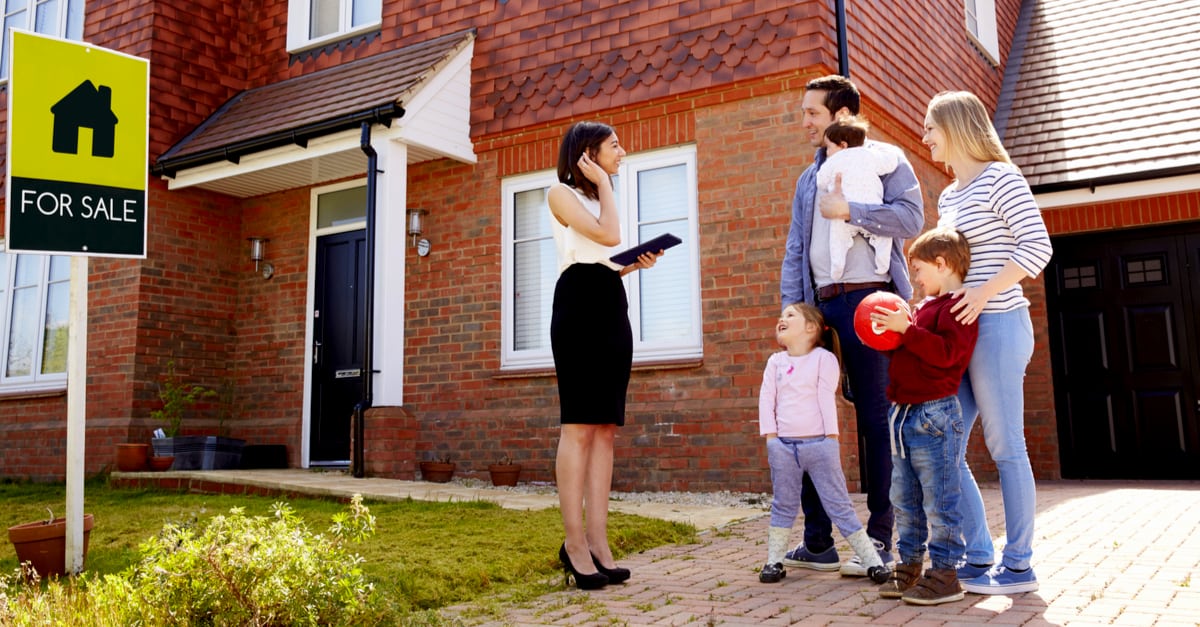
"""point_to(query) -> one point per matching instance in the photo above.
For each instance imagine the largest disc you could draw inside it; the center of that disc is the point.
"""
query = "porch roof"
(1103, 91)
(286, 118)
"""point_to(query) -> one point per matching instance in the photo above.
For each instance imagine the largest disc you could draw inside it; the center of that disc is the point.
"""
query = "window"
(981, 26)
(656, 193)
(61, 18)
(34, 302)
(313, 22)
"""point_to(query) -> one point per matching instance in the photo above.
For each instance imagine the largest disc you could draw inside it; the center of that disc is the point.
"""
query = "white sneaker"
(853, 567)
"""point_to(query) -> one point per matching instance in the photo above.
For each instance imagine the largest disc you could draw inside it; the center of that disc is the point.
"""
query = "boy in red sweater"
(926, 422)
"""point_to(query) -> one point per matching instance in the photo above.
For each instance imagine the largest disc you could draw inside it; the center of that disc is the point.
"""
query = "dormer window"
(981, 26)
(315, 22)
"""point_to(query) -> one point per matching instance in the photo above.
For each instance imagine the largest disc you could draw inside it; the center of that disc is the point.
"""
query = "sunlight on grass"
(423, 556)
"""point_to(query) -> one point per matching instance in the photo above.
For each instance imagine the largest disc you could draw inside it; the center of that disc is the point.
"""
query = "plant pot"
(504, 474)
(160, 463)
(437, 472)
(201, 452)
(132, 457)
(44, 544)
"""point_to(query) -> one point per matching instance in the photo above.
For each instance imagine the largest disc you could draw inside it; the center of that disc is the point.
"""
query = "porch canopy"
(305, 131)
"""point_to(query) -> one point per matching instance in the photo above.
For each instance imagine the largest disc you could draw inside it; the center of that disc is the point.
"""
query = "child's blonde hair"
(827, 338)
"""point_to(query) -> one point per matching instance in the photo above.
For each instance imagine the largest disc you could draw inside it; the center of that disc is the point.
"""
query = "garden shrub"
(234, 570)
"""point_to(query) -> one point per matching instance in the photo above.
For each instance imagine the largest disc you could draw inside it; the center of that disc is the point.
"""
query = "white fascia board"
(256, 161)
(1120, 191)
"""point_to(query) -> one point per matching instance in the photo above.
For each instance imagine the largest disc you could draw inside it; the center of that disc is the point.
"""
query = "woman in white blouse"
(991, 204)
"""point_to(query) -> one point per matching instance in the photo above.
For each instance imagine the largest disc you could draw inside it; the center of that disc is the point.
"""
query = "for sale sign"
(77, 149)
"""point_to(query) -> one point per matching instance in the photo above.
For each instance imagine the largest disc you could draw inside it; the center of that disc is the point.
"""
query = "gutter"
(381, 114)
(839, 7)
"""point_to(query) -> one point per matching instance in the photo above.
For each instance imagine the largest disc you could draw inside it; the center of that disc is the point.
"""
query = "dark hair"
(851, 131)
(828, 339)
(581, 137)
(839, 92)
(945, 243)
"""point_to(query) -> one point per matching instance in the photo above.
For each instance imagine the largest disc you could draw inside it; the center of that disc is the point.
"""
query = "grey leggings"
(789, 459)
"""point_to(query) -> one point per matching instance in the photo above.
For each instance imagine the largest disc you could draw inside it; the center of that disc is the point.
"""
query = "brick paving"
(1120, 553)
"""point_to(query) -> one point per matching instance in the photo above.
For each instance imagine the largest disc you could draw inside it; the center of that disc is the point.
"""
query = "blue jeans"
(928, 441)
(993, 389)
(866, 369)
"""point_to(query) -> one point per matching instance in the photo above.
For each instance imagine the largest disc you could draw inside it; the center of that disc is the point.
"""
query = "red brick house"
(274, 119)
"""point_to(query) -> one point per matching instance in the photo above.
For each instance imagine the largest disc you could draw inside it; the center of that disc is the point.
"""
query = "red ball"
(874, 335)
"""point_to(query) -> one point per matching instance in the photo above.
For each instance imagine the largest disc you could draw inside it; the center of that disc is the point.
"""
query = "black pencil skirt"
(592, 344)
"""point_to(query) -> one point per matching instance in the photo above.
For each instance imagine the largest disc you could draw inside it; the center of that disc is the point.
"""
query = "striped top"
(998, 216)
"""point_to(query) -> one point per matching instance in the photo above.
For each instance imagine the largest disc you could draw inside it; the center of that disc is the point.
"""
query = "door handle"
(316, 352)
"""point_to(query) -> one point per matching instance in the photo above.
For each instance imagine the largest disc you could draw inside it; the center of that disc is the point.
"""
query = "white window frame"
(300, 19)
(59, 26)
(687, 347)
(980, 21)
(36, 381)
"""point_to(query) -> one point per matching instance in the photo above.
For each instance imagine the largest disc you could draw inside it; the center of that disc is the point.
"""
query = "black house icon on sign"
(85, 107)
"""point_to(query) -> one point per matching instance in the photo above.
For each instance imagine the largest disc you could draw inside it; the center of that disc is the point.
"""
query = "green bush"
(236, 570)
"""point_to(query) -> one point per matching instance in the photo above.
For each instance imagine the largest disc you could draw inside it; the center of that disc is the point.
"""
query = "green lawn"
(423, 556)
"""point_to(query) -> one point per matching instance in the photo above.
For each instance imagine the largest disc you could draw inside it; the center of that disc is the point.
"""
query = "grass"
(424, 555)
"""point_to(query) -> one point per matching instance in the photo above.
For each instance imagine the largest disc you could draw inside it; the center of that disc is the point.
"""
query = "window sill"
(643, 366)
(29, 394)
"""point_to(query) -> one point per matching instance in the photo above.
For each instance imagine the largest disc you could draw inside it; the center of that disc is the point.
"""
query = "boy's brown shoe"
(939, 585)
(904, 577)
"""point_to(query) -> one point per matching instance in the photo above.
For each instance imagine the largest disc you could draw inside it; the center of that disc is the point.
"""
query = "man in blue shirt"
(806, 277)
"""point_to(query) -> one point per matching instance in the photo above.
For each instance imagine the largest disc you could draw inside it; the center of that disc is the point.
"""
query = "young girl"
(797, 413)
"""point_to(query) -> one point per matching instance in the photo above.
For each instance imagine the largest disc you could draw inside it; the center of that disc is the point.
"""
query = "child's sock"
(864, 548)
(777, 543)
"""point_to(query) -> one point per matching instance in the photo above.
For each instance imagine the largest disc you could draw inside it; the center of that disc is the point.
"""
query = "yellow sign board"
(77, 148)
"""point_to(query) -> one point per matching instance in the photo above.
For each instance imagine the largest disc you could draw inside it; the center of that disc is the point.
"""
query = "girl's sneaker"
(772, 573)
(1001, 580)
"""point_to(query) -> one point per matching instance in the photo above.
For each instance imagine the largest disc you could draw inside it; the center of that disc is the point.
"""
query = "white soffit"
(435, 125)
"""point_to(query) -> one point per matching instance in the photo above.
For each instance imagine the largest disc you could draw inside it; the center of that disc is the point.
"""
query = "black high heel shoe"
(593, 581)
(615, 575)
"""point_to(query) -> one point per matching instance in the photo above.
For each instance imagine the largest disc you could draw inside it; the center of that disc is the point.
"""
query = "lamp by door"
(258, 253)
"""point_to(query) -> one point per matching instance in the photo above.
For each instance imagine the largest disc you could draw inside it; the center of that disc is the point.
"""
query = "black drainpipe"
(357, 465)
(843, 49)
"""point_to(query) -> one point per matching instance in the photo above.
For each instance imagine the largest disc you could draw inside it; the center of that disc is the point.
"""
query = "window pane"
(75, 19)
(24, 331)
(346, 206)
(29, 270)
(531, 215)
(14, 20)
(46, 20)
(666, 297)
(366, 12)
(323, 18)
(60, 268)
(536, 268)
(54, 344)
(662, 194)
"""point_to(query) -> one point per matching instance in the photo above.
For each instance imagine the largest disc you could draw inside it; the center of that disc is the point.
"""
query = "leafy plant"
(505, 461)
(177, 398)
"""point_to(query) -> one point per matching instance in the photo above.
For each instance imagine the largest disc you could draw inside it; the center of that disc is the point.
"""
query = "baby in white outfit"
(860, 167)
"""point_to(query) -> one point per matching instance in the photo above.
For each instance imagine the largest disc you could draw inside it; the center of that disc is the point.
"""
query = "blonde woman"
(990, 203)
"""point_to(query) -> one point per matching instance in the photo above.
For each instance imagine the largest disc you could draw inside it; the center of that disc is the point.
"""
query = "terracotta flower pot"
(437, 472)
(132, 457)
(44, 544)
(160, 463)
(505, 474)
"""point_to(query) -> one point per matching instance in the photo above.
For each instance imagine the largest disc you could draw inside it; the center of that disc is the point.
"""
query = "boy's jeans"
(927, 441)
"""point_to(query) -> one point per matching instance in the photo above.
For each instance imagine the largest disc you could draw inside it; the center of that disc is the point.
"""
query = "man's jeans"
(866, 368)
(927, 441)
(993, 389)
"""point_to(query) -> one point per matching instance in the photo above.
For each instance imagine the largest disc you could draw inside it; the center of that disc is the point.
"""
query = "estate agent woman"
(592, 344)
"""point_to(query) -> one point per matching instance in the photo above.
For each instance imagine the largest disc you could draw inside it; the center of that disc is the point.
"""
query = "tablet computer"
(662, 242)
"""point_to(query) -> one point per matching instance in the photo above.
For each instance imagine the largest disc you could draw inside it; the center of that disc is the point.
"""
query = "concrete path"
(1120, 553)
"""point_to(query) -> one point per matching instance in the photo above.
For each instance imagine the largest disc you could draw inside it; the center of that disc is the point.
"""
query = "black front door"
(1123, 343)
(338, 319)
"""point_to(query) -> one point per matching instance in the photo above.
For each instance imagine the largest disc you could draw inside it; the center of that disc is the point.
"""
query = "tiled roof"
(305, 102)
(1107, 90)
(651, 54)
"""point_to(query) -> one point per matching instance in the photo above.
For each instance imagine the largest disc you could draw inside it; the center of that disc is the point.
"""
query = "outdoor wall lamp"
(258, 253)
(414, 230)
